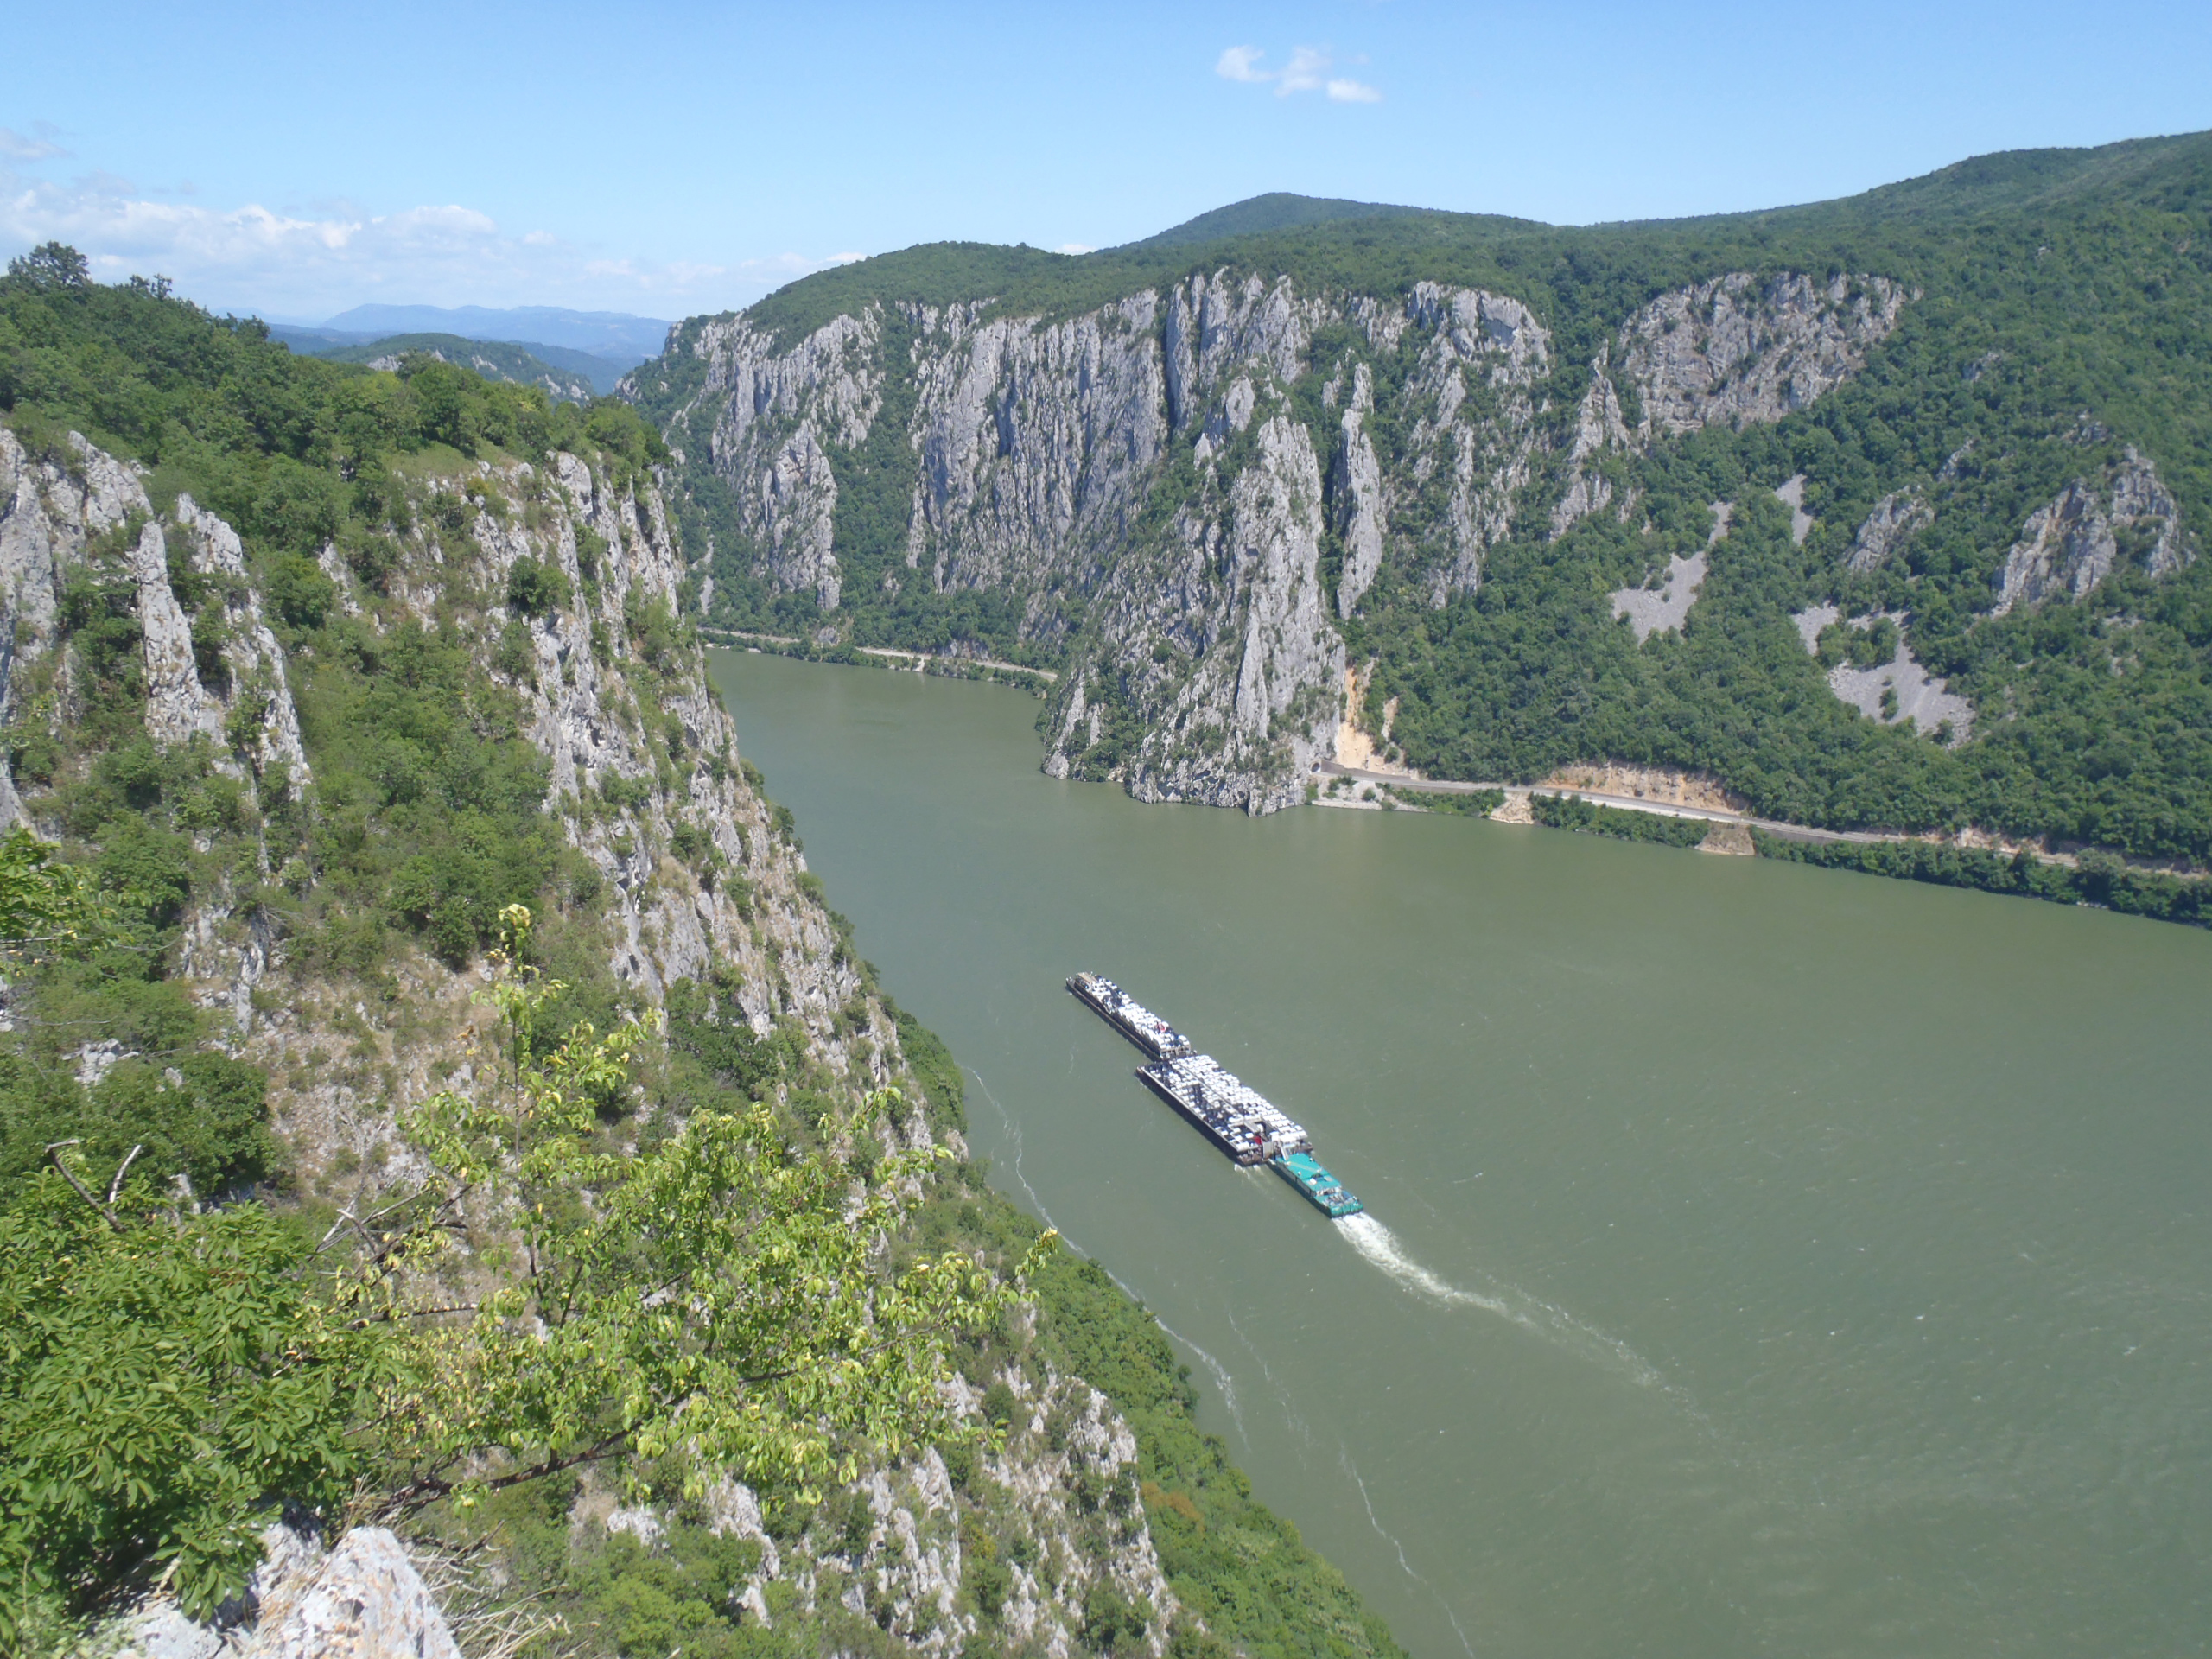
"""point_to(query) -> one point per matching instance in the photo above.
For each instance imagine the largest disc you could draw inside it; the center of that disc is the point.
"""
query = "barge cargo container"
(1239, 1120)
(1131, 1018)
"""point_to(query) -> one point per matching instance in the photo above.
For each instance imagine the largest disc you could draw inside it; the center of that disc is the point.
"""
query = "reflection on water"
(1758, 1260)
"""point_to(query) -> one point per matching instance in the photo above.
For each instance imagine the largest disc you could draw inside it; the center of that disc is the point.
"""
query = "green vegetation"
(1624, 824)
(1229, 1559)
(494, 359)
(2096, 879)
(594, 1268)
(1472, 803)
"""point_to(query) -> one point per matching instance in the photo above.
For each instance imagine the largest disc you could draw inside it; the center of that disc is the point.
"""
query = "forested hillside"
(435, 1093)
(573, 381)
(1926, 471)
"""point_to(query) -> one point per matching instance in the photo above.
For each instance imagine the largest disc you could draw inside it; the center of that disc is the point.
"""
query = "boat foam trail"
(1222, 1379)
(1382, 1247)
(1014, 1134)
(1343, 1454)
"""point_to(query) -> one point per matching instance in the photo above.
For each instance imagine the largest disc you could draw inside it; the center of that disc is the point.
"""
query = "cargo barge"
(1243, 1122)
(1131, 1018)
(1219, 1105)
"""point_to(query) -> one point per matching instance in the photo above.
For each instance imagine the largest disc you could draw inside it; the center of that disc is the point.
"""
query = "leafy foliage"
(1565, 812)
(161, 1377)
(716, 1300)
(2096, 879)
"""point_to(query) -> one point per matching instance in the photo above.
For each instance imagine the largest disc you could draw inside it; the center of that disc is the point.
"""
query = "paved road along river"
(1759, 1260)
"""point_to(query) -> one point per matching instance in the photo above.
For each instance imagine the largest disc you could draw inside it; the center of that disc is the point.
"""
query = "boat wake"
(1344, 1455)
(1226, 1383)
(1222, 1379)
(1382, 1249)
(1013, 1134)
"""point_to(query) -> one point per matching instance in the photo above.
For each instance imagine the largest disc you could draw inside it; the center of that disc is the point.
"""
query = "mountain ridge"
(616, 334)
(1014, 454)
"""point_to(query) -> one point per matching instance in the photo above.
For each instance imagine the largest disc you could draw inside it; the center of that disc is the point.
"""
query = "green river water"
(1758, 1260)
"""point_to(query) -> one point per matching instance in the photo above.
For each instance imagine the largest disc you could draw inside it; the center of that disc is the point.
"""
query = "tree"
(167, 1378)
(45, 907)
(51, 265)
(721, 1298)
(162, 1377)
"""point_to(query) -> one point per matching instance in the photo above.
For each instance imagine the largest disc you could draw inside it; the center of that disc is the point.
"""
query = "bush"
(164, 1379)
(535, 589)
(1566, 812)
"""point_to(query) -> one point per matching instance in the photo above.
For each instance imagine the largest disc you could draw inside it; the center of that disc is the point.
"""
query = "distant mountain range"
(614, 337)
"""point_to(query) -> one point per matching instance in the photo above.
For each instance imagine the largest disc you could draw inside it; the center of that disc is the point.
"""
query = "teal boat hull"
(1315, 1185)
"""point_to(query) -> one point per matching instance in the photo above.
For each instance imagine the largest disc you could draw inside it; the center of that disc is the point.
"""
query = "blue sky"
(672, 157)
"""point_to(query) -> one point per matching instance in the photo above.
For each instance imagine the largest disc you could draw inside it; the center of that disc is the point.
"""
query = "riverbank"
(987, 670)
(1970, 858)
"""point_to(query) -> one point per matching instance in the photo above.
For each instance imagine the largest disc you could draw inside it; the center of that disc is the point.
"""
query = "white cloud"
(310, 263)
(1075, 247)
(16, 148)
(1307, 69)
(1306, 72)
(838, 258)
(1242, 63)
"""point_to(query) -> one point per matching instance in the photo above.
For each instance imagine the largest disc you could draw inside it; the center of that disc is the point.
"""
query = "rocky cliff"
(644, 779)
(1184, 495)
(149, 630)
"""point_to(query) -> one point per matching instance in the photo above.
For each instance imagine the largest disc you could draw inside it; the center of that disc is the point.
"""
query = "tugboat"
(1323, 1190)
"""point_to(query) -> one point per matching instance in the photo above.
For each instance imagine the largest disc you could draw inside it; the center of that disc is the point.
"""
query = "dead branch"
(53, 1157)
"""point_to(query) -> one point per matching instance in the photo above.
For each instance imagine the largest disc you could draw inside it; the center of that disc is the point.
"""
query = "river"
(1758, 1260)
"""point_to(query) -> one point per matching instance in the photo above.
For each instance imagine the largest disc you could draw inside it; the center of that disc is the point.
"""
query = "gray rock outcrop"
(1360, 506)
(364, 1599)
(1058, 1507)
(1893, 521)
(1733, 351)
(2071, 543)
(1738, 350)
(1245, 694)
(1892, 692)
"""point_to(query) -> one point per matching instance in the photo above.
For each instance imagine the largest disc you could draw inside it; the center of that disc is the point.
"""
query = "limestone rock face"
(1036, 445)
(1741, 351)
(2071, 543)
(1057, 1508)
(368, 1602)
(47, 514)
(1598, 426)
(253, 662)
(1893, 521)
(1734, 350)
(776, 412)
(177, 707)
(1148, 482)
(1244, 689)
(361, 1600)
(694, 874)
(1360, 506)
